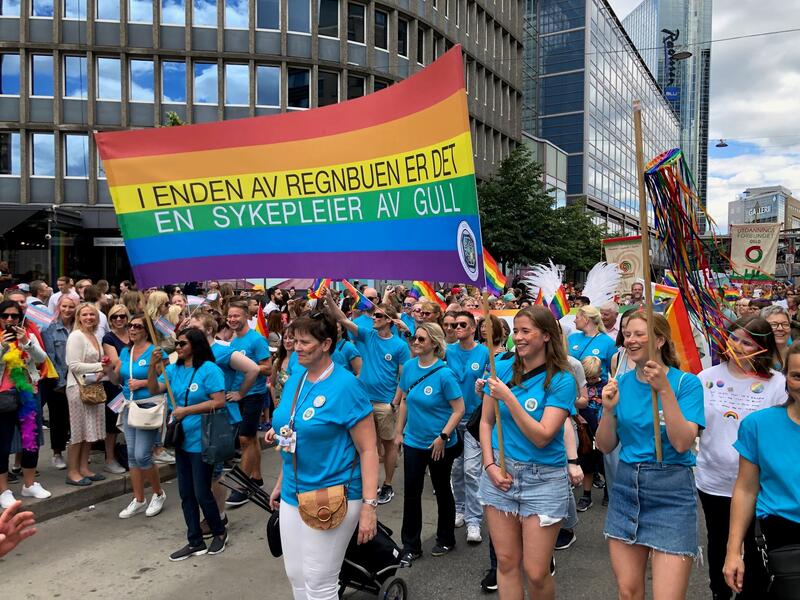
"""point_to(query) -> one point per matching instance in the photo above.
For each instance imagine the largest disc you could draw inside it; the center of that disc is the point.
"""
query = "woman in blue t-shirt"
(198, 387)
(429, 408)
(591, 339)
(768, 481)
(346, 353)
(130, 371)
(652, 509)
(536, 393)
(326, 433)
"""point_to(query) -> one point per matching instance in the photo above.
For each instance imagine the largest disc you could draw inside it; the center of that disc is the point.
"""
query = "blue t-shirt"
(344, 353)
(364, 320)
(635, 417)
(468, 366)
(428, 403)
(222, 356)
(324, 414)
(601, 345)
(530, 393)
(382, 359)
(293, 366)
(140, 368)
(208, 380)
(253, 345)
(410, 322)
(766, 438)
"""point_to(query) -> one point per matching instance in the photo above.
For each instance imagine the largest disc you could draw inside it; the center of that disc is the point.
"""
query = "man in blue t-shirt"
(253, 345)
(382, 355)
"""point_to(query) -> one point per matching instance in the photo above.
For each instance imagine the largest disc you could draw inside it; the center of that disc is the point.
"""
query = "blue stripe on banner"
(425, 234)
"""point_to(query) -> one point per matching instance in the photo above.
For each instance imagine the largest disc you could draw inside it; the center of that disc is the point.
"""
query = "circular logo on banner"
(595, 351)
(531, 404)
(308, 413)
(626, 266)
(475, 366)
(428, 390)
(319, 401)
(387, 357)
(142, 363)
(467, 250)
(754, 254)
(194, 387)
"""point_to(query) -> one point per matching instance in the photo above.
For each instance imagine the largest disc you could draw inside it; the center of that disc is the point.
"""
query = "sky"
(755, 104)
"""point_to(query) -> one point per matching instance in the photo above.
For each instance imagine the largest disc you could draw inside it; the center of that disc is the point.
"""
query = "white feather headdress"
(545, 278)
(602, 283)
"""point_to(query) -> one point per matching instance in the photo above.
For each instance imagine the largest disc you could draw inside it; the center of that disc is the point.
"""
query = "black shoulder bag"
(783, 566)
(173, 438)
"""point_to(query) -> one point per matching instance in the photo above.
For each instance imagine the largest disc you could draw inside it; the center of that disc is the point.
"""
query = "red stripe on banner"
(433, 84)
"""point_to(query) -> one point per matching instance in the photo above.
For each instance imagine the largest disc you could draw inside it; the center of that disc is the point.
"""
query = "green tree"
(579, 239)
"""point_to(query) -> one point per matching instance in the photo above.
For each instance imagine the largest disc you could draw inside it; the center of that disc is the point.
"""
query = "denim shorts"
(541, 490)
(654, 505)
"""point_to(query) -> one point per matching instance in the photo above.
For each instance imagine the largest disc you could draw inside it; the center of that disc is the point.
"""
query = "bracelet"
(573, 461)
(486, 467)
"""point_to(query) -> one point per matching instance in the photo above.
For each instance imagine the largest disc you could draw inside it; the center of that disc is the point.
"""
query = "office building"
(72, 67)
(772, 204)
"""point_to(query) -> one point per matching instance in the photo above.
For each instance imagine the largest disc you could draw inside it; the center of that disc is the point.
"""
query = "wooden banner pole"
(644, 229)
(154, 337)
(493, 373)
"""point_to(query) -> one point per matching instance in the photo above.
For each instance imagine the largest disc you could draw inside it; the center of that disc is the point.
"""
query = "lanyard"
(296, 404)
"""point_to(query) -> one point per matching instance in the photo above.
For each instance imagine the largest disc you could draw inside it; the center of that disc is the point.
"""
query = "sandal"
(82, 482)
(96, 477)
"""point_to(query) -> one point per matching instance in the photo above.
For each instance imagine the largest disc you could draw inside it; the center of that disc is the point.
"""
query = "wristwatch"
(573, 461)
(407, 334)
(373, 502)
(445, 436)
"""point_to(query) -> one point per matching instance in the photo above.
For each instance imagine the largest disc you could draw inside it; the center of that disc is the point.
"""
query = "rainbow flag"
(669, 279)
(261, 322)
(732, 294)
(316, 288)
(495, 280)
(559, 305)
(379, 187)
(681, 328)
(423, 289)
(539, 299)
(361, 300)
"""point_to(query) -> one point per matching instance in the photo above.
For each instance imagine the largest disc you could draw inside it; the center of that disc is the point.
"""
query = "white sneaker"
(156, 504)
(134, 508)
(58, 462)
(459, 520)
(474, 534)
(7, 499)
(164, 458)
(35, 491)
(114, 467)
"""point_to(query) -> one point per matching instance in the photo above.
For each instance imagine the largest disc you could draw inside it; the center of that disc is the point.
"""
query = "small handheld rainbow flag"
(559, 305)
(425, 290)
(732, 294)
(361, 300)
(539, 299)
(495, 280)
(261, 322)
(316, 288)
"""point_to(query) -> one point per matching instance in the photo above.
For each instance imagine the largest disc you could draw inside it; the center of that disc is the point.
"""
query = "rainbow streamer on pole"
(425, 290)
(315, 290)
(495, 280)
(362, 303)
(559, 305)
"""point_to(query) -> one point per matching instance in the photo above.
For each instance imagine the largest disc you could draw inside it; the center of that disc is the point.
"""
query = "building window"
(9, 153)
(205, 83)
(355, 86)
(108, 79)
(42, 75)
(356, 22)
(75, 9)
(447, 9)
(402, 37)
(76, 159)
(140, 11)
(237, 14)
(9, 74)
(379, 85)
(299, 88)
(204, 13)
(327, 88)
(101, 170)
(299, 15)
(9, 9)
(173, 82)
(329, 18)
(75, 77)
(237, 85)
(420, 45)
(268, 14)
(41, 8)
(173, 12)
(142, 81)
(268, 85)
(43, 162)
(107, 10)
(381, 30)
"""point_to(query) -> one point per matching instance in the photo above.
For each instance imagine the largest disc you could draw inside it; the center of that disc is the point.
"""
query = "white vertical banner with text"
(754, 248)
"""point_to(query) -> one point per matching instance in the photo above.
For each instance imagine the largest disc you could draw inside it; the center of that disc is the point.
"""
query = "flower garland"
(15, 359)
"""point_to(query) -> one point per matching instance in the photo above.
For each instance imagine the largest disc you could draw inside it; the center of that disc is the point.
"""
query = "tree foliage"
(520, 225)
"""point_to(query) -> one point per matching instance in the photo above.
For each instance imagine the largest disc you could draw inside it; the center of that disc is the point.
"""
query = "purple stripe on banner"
(436, 266)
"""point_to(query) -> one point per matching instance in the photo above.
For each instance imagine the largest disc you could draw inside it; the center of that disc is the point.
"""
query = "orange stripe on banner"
(419, 130)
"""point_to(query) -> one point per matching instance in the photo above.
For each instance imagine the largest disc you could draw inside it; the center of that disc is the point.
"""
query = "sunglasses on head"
(10, 316)
(135, 326)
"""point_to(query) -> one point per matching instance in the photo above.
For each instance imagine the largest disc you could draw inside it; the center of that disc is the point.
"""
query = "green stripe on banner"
(448, 197)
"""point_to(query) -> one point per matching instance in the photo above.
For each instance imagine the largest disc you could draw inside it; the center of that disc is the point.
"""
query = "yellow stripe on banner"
(444, 160)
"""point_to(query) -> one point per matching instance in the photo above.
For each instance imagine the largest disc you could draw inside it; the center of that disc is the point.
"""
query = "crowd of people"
(505, 418)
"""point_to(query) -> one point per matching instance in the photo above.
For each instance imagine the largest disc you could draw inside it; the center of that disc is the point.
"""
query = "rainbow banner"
(380, 187)
(495, 280)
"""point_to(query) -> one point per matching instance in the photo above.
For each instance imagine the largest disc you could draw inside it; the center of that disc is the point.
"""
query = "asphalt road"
(93, 554)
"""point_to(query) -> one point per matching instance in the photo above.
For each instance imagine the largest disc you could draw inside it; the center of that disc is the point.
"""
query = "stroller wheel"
(393, 588)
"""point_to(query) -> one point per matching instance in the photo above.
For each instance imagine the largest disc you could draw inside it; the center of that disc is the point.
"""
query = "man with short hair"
(65, 286)
(468, 360)
(609, 312)
(363, 319)
(40, 293)
(81, 285)
(276, 300)
(253, 345)
(407, 316)
(252, 310)
(637, 293)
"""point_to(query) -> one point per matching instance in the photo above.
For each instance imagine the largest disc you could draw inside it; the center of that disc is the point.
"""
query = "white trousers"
(312, 557)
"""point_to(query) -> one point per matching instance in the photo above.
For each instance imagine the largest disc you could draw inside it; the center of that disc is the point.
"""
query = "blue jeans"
(194, 485)
(466, 477)
(140, 444)
(610, 462)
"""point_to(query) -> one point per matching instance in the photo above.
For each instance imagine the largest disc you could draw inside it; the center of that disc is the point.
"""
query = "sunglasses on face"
(181, 343)
(135, 326)
(426, 313)
(118, 317)
(419, 339)
(450, 325)
(372, 298)
(460, 325)
(407, 306)
(379, 316)
(14, 316)
(416, 310)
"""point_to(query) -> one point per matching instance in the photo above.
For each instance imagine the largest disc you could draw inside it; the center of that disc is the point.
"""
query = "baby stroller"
(369, 567)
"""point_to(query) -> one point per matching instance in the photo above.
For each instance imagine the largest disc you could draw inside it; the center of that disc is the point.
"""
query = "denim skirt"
(654, 505)
(541, 490)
